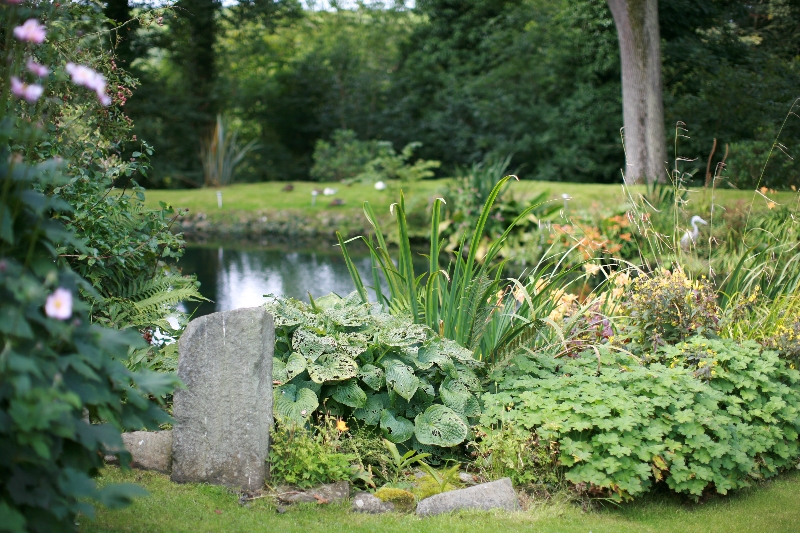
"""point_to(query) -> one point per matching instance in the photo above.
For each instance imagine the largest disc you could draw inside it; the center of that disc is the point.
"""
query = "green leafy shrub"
(668, 307)
(349, 159)
(307, 457)
(621, 425)
(381, 369)
(507, 451)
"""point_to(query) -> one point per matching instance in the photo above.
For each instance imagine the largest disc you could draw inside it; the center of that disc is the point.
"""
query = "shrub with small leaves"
(356, 360)
(668, 307)
(508, 451)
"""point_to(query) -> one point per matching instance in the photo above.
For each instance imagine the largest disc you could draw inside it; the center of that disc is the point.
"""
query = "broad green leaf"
(396, 428)
(350, 394)
(440, 426)
(457, 397)
(374, 377)
(401, 379)
(293, 404)
(295, 365)
(371, 412)
(312, 345)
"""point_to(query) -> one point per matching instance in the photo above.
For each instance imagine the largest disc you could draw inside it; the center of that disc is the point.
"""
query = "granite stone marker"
(224, 416)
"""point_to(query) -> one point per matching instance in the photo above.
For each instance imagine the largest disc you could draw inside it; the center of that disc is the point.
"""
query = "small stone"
(364, 502)
(151, 450)
(331, 492)
(495, 495)
(467, 478)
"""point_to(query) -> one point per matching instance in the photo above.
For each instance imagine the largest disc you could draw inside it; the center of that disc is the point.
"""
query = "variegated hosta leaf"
(401, 379)
(295, 404)
(457, 397)
(426, 388)
(350, 394)
(458, 353)
(353, 344)
(468, 378)
(371, 412)
(349, 317)
(312, 345)
(440, 426)
(328, 301)
(333, 367)
(295, 365)
(403, 335)
(396, 428)
(279, 373)
(374, 377)
(286, 313)
(431, 353)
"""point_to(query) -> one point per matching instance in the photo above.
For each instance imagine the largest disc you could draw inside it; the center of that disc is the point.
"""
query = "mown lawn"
(269, 196)
(771, 507)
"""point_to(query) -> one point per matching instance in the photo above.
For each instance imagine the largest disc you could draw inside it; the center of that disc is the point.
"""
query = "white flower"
(327, 191)
(59, 304)
(380, 186)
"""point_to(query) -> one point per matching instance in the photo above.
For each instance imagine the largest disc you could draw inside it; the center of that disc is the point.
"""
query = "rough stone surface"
(223, 417)
(364, 502)
(332, 492)
(495, 495)
(150, 450)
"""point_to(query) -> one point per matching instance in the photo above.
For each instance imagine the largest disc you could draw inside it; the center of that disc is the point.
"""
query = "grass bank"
(256, 209)
(771, 507)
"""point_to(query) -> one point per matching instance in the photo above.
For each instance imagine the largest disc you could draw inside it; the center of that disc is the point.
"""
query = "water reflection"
(237, 275)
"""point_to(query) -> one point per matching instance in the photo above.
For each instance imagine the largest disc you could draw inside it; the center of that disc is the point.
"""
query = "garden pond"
(238, 274)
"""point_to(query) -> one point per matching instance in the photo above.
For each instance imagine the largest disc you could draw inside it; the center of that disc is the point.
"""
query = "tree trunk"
(642, 101)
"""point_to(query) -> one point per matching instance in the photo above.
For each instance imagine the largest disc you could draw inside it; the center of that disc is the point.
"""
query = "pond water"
(235, 275)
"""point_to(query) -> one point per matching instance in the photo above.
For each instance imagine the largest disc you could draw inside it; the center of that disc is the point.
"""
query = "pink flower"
(31, 31)
(91, 79)
(30, 93)
(59, 304)
(39, 70)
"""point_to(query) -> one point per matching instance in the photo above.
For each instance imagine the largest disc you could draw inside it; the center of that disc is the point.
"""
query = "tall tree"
(642, 100)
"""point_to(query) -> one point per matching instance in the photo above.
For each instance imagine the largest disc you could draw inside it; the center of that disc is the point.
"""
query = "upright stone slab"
(223, 417)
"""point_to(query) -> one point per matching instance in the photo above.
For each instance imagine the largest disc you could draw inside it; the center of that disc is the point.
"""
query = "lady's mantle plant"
(349, 358)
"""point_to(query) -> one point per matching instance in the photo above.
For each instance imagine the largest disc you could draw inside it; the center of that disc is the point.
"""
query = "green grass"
(268, 196)
(771, 507)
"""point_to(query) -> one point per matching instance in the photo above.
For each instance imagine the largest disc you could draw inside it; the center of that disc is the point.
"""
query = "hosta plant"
(348, 358)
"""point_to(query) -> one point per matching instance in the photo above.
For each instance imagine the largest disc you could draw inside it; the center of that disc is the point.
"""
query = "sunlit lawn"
(269, 196)
(772, 507)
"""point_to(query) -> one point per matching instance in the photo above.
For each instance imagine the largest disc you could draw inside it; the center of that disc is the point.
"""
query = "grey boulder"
(495, 495)
(364, 502)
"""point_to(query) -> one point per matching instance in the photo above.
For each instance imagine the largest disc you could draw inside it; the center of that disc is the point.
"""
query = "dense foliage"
(621, 425)
(348, 358)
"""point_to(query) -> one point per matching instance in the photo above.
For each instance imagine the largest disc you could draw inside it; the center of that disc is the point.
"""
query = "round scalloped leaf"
(350, 394)
(396, 428)
(295, 405)
(279, 373)
(440, 426)
(312, 345)
(333, 367)
(374, 377)
(371, 412)
(401, 379)
(286, 313)
(295, 365)
(457, 397)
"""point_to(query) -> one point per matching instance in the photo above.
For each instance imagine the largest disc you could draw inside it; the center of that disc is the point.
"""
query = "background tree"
(642, 93)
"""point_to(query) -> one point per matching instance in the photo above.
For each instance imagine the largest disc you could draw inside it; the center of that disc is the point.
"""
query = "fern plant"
(350, 358)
